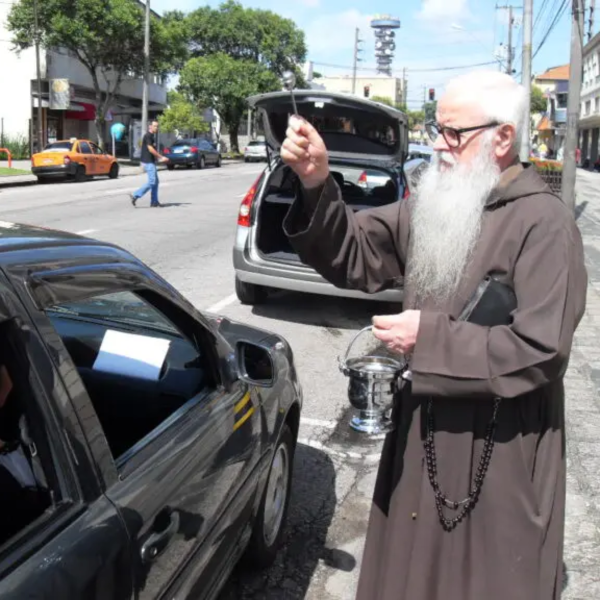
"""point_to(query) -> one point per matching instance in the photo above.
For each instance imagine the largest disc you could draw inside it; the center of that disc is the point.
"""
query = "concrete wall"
(61, 64)
(387, 87)
(16, 73)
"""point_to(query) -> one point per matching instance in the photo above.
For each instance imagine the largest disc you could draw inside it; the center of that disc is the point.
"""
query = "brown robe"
(510, 546)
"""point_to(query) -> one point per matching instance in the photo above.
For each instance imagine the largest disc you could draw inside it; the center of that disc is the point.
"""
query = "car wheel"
(80, 174)
(218, 164)
(201, 162)
(170, 167)
(43, 179)
(248, 293)
(268, 529)
(246, 159)
(114, 171)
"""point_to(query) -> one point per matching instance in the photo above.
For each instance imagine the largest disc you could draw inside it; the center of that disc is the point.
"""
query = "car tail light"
(194, 149)
(246, 205)
(167, 150)
(362, 180)
(406, 194)
(67, 160)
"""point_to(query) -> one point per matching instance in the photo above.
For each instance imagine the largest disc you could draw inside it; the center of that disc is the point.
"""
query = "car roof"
(20, 236)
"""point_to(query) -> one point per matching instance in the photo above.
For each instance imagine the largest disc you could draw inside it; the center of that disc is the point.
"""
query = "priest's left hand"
(398, 332)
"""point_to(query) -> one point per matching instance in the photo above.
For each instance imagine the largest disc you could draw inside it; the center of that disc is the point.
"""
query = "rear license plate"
(178, 151)
(48, 161)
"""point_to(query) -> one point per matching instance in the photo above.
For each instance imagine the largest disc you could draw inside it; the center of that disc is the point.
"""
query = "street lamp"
(458, 27)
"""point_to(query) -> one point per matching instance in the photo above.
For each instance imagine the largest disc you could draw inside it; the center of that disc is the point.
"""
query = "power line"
(559, 14)
(454, 68)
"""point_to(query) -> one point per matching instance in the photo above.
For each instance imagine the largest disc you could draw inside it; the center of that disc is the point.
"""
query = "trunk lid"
(351, 127)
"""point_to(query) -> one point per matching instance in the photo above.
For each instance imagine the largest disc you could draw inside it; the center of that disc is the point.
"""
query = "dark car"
(194, 152)
(153, 443)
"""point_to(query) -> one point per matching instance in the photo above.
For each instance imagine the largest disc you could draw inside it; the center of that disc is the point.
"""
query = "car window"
(28, 484)
(84, 148)
(135, 363)
(59, 147)
(257, 143)
(96, 149)
(182, 143)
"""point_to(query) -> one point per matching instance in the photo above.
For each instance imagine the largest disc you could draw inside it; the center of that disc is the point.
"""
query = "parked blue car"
(192, 152)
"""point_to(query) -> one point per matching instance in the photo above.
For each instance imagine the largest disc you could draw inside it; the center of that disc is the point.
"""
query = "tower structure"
(385, 26)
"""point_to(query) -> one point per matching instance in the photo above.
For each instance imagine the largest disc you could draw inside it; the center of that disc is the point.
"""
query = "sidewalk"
(582, 527)
(126, 168)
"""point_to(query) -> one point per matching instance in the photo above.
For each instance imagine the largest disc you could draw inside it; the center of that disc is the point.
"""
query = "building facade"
(551, 128)
(19, 97)
(589, 115)
(366, 86)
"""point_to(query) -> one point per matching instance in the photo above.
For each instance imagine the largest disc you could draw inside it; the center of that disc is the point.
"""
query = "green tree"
(383, 100)
(224, 83)
(182, 116)
(250, 34)
(106, 36)
(237, 52)
(415, 117)
(539, 104)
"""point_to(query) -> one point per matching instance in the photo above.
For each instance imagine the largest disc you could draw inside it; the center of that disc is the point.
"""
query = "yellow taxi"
(73, 159)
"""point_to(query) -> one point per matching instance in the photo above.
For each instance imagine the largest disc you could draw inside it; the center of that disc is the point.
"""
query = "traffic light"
(431, 94)
(367, 90)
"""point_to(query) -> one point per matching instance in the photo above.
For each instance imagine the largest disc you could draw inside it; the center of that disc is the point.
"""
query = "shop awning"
(81, 111)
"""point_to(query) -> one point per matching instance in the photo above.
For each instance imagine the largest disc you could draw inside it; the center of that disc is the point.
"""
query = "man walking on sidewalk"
(149, 157)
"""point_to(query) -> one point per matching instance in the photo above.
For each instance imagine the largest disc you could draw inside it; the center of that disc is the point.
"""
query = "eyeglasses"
(451, 134)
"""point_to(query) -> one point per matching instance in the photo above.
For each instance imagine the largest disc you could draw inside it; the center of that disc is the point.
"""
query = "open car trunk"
(362, 187)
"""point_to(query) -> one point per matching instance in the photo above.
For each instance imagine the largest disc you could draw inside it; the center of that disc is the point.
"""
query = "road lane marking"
(85, 231)
(222, 304)
(319, 423)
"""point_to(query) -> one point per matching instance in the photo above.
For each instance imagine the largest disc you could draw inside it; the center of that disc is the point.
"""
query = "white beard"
(445, 222)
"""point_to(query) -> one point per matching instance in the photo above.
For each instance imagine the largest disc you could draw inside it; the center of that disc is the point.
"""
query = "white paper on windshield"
(131, 354)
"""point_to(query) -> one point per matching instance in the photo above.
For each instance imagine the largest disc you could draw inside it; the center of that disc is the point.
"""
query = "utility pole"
(526, 75)
(357, 49)
(510, 47)
(571, 139)
(511, 22)
(146, 69)
(40, 132)
(591, 20)
(404, 90)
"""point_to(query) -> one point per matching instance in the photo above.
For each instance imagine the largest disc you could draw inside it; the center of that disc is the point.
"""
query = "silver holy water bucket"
(373, 383)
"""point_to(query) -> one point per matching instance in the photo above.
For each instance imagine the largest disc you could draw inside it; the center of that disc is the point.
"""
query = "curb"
(33, 180)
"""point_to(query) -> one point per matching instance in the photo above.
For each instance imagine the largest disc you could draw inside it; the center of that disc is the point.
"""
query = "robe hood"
(526, 182)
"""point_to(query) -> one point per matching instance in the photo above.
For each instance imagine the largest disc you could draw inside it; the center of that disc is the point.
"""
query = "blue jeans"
(151, 185)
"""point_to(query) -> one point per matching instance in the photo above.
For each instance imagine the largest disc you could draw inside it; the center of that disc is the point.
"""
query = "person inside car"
(21, 500)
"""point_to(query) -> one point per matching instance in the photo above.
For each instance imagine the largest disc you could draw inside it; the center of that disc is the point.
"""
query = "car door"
(102, 162)
(74, 544)
(195, 457)
(88, 158)
(206, 149)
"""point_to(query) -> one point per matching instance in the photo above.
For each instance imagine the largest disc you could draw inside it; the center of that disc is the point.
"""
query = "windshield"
(257, 144)
(183, 143)
(58, 147)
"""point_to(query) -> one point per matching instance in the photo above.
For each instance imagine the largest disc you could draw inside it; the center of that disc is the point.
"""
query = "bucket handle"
(343, 363)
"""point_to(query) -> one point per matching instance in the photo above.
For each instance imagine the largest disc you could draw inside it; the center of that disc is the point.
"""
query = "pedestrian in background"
(149, 158)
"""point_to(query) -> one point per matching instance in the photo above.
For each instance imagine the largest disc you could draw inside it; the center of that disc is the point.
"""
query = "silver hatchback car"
(360, 135)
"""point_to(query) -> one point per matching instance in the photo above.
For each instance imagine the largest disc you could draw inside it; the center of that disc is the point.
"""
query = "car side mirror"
(255, 364)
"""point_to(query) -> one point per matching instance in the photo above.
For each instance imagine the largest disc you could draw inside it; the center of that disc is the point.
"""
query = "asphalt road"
(189, 242)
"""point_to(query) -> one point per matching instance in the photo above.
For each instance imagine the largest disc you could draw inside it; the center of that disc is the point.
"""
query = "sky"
(434, 35)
